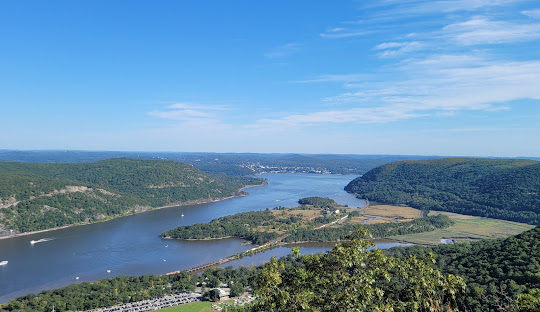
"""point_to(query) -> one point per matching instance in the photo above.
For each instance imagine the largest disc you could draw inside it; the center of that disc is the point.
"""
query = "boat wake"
(41, 240)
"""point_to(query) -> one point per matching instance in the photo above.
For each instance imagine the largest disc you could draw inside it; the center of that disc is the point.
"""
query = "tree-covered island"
(316, 220)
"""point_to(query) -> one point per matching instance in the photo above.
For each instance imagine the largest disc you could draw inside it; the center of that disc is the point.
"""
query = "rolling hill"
(497, 188)
(37, 196)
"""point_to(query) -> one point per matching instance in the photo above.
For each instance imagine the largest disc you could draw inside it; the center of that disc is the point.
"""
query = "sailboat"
(182, 214)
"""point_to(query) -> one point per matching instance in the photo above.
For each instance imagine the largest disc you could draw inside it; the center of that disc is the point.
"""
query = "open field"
(392, 211)
(388, 214)
(466, 228)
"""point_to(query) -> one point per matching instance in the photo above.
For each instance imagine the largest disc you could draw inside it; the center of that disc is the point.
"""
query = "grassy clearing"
(466, 228)
(389, 213)
(392, 211)
(201, 306)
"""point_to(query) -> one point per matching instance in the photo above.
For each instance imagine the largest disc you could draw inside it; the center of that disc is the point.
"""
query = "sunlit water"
(132, 245)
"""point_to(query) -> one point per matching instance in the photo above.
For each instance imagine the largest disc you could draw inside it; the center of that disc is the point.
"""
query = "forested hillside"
(506, 189)
(496, 271)
(36, 196)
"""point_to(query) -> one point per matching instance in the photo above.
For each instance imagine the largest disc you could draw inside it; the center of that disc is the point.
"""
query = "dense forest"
(37, 196)
(496, 188)
(496, 271)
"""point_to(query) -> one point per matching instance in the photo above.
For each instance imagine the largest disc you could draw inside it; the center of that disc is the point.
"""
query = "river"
(132, 245)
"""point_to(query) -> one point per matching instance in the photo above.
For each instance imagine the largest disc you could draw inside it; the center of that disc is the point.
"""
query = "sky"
(410, 77)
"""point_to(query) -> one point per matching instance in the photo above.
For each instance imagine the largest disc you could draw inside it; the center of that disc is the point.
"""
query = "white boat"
(33, 242)
(182, 214)
(76, 277)
(164, 260)
(108, 271)
(4, 262)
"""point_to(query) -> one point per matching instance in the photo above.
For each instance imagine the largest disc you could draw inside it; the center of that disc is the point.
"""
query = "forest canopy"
(496, 188)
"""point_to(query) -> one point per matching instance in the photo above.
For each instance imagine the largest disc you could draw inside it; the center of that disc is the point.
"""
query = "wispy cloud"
(392, 49)
(480, 30)
(440, 91)
(341, 32)
(187, 112)
(333, 78)
(284, 50)
(532, 13)
(442, 6)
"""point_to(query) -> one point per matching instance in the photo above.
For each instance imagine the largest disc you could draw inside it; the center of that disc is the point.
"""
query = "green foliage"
(492, 269)
(496, 188)
(212, 294)
(351, 278)
(39, 196)
(239, 225)
(342, 232)
(318, 202)
(124, 289)
(529, 302)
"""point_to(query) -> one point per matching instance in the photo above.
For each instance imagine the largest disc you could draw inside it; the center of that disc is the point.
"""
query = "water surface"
(132, 245)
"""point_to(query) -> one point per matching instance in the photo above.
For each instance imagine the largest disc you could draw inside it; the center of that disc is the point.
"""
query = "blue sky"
(418, 77)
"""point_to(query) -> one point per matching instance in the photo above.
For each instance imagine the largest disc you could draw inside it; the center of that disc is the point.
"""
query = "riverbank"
(137, 210)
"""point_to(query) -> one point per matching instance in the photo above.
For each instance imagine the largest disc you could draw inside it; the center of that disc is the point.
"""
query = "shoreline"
(177, 204)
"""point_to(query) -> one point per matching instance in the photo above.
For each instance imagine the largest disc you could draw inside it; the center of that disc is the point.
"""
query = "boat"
(33, 242)
(166, 246)
(4, 262)
(108, 271)
(182, 214)
(164, 260)
(76, 277)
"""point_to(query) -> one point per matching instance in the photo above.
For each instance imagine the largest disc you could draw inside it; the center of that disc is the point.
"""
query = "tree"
(350, 277)
(213, 294)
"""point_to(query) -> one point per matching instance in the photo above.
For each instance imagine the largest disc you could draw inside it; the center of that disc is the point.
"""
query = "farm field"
(466, 228)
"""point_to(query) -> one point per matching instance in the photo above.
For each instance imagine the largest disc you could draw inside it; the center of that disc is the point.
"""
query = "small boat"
(108, 271)
(182, 214)
(76, 277)
(166, 246)
(33, 242)
(4, 262)
(164, 260)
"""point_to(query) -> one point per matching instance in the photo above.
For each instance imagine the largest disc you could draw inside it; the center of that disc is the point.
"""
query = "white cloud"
(532, 13)
(480, 30)
(442, 6)
(283, 50)
(187, 112)
(393, 49)
(333, 78)
(429, 90)
(340, 32)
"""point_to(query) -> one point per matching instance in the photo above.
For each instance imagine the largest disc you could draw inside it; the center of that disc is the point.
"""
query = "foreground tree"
(352, 278)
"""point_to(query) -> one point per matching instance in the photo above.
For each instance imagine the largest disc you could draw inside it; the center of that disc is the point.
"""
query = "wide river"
(132, 245)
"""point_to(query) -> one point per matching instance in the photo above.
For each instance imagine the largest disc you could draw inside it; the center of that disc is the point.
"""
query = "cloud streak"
(284, 50)
(188, 112)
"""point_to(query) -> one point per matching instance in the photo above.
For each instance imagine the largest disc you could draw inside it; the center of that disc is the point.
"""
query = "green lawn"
(201, 306)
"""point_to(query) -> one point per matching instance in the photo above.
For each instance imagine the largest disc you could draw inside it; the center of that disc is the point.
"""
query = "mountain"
(37, 196)
(497, 188)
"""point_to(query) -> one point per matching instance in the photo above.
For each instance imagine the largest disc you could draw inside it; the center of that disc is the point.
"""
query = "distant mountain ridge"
(506, 189)
(37, 196)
